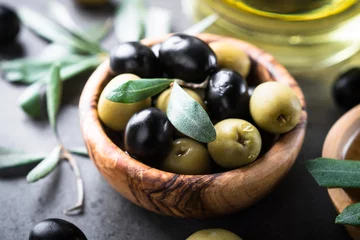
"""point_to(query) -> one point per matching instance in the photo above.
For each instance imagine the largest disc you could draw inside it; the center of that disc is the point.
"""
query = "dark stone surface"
(296, 209)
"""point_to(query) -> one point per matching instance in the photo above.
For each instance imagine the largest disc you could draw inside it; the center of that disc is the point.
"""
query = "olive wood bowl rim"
(105, 146)
(334, 148)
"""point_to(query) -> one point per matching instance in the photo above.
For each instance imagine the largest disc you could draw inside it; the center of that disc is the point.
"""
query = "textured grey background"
(296, 209)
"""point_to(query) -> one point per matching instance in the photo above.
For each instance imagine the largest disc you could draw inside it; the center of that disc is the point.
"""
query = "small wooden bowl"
(334, 147)
(192, 196)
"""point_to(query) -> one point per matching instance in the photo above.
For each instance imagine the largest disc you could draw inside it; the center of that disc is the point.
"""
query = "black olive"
(135, 58)
(187, 58)
(346, 89)
(56, 229)
(148, 135)
(227, 95)
(156, 49)
(9, 25)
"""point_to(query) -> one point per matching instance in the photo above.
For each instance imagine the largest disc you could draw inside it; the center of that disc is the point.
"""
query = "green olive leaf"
(158, 22)
(100, 31)
(81, 151)
(202, 25)
(129, 21)
(334, 173)
(53, 32)
(46, 166)
(11, 160)
(350, 215)
(53, 94)
(30, 70)
(62, 16)
(136, 90)
(189, 117)
(30, 99)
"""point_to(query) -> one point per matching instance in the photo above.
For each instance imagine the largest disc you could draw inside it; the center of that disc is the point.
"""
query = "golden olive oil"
(301, 34)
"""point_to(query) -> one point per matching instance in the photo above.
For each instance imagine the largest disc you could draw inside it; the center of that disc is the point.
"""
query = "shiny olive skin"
(164, 97)
(9, 25)
(214, 234)
(116, 115)
(231, 57)
(346, 88)
(275, 107)
(227, 95)
(237, 143)
(135, 58)
(148, 135)
(187, 58)
(187, 156)
(56, 229)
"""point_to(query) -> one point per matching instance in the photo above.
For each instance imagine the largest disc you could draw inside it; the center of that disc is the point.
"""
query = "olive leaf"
(189, 117)
(30, 99)
(30, 70)
(202, 25)
(61, 15)
(53, 94)
(136, 90)
(350, 215)
(158, 22)
(100, 31)
(46, 166)
(334, 173)
(53, 32)
(81, 151)
(11, 159)
(129, 21)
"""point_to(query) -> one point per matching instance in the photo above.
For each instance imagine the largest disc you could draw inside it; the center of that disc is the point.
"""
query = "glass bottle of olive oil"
(301, 34)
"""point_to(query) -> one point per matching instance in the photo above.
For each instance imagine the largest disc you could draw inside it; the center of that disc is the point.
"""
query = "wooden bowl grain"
(192, 196)
(334, 147)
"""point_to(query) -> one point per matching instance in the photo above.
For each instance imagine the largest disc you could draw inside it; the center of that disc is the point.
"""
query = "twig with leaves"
(332, 173)
(71, 52)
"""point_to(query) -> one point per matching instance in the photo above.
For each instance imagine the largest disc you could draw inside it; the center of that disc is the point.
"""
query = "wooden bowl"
(192, 196)
(335, 145)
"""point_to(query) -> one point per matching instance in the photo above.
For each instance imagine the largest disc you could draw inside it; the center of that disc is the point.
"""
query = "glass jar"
(301, 34)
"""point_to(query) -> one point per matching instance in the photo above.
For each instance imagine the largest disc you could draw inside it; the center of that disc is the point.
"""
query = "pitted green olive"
(116, 115)
(187, 156)
(163, 99)
(237, 143)
(214, 234)
(231, 57)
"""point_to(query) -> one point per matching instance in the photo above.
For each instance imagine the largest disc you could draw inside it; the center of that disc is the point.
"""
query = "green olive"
(187, 156)
(116, 115)
(163, 99)
(214, 234)
(231, 57)
(275, 107)
(237, 143)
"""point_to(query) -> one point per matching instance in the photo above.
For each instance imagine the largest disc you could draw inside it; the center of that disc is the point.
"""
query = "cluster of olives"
(149, 136)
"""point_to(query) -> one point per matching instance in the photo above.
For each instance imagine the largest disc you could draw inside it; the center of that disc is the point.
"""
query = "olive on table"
(187, 58)
(346, 88)
(9, 25)
(56, 229)
(227, 96)
(148, 135)
(164, 97)
(231, 57)
(136, 58)
(116, 115)
(92, 3)
(214, 234)
(187, 156)
(275, 107)
(237, 143)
